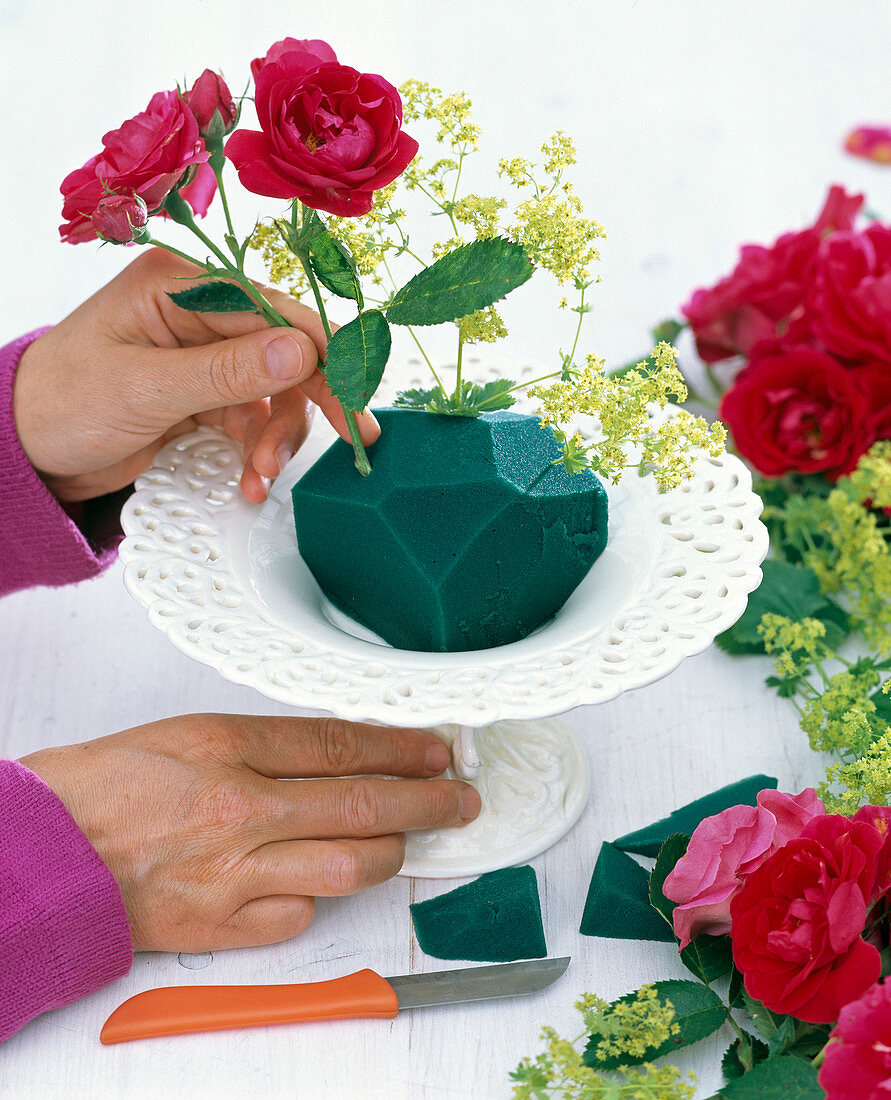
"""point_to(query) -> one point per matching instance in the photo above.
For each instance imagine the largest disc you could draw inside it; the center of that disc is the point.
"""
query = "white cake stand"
(224, 581)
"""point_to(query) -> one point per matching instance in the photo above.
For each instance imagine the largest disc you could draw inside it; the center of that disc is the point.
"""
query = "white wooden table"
(698, 127)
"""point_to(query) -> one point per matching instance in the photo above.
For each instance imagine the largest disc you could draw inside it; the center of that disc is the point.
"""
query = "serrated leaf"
(415, 399)
(790, 590)
(216, 297)
(765, 1021)
(670, 852)
(708, 957)
(782, 1078)
(882, 702)
(335, 268)
(735, 992)
(732, 1065)
(470, 400)
(465, 280)
(356, 357)
(698, 1012)
(783, 1037)
(494, 395)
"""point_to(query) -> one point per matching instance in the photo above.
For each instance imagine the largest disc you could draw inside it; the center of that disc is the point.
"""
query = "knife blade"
(185, 1009)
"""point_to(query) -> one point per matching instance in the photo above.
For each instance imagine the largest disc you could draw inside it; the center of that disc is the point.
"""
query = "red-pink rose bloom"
(871, 143)
(799, 918)
(857, 1064)
(210, 93)
(852, 294)
(147, 156)
(724, 849)
(120, 218)
(765, 296)
(331, 136)
(799, 411)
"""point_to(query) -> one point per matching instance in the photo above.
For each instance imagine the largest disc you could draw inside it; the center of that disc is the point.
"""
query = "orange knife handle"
(179, 1010)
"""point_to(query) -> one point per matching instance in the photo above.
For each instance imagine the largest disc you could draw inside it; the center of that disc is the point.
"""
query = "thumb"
(184, 381)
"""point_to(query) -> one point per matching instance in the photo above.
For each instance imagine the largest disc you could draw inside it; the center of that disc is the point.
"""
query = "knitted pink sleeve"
(63, 927)
(41, 542)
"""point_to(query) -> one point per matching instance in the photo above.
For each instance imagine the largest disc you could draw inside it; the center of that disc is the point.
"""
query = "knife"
(183, 1009)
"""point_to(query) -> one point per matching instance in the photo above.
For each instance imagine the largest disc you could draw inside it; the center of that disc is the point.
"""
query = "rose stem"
(362, 463)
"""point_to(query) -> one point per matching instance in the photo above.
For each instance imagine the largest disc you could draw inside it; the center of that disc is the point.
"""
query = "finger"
(168, 384)
(322, 809)
(288, 748)
(283, 433)
(264, 920)
(325, 868)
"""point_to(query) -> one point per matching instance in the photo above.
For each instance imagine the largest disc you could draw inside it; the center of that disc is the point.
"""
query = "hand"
(212, 850)
(99, 394)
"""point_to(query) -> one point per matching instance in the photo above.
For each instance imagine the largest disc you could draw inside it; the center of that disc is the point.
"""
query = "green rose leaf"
(698, 1012)
(783, 1078)
(748, 1049)
(670, 852)
(463, 281)
(356, 357)
(215, 297)
(335, 268)
(708, 957)
(790, 590)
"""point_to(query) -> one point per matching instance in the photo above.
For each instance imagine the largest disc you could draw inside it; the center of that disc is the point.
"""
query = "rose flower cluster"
(330, 136)
(808, 322)
(804, 897)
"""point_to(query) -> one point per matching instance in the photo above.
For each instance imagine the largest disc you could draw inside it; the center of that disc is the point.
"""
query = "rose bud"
(212, 105)
(121, 219)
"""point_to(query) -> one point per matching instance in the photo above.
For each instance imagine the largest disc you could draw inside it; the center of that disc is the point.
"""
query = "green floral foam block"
(468, 533)
(495, 918)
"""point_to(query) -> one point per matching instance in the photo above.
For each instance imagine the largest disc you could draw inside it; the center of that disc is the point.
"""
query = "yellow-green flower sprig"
(622, 405)
(633, 1027)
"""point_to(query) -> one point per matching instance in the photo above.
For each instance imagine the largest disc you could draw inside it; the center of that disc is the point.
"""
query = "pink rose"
(147, 156)
(120, 218)
(798, 411)
(765, 297)
(723, 850)
(331, 136)
(852, 294)
(798, 921)
(871, 143)
(857, 1065)
(209, 94)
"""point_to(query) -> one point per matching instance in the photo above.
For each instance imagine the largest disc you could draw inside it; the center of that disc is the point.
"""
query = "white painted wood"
(699, 126)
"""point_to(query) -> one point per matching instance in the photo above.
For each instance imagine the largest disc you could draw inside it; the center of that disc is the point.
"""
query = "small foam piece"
(648, 841)
(618, 903)
(495, 918)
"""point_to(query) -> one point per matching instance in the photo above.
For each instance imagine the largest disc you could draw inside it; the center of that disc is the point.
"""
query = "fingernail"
(437, 757)
(470, 804)
(283, 455)
(284, 358)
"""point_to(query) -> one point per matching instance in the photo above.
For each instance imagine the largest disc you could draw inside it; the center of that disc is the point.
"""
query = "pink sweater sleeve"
(40, 541)
(63, 927)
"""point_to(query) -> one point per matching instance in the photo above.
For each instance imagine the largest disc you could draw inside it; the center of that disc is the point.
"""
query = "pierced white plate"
(223, 579)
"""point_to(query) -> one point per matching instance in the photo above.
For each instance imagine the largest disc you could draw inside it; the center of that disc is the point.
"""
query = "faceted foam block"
(465, 535)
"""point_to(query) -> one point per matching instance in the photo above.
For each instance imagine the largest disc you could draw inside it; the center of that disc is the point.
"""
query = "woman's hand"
(99, 394)
(210, 845)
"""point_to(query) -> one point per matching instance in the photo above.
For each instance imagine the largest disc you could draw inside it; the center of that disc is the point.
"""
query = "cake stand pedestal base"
(533, 779)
